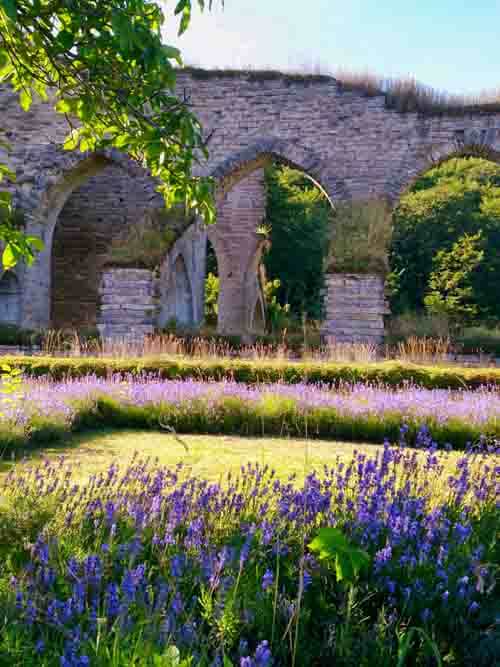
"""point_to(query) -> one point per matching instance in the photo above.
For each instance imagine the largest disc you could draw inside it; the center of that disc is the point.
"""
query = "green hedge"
(389, 373)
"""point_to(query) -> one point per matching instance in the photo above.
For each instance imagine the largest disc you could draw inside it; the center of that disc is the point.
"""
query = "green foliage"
(211, 298)
(450, 284)
(474, 339)
(277, 314)
(146, 244)
(15, 244)
(331, 545)
(11, 334)
(360, 237)
(297, 215)
(457, 199)
(103, 65)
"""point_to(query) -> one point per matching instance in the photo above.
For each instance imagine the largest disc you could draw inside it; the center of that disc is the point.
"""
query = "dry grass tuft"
(406, 94)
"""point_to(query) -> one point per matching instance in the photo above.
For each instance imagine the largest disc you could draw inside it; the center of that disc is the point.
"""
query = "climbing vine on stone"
(104, 66)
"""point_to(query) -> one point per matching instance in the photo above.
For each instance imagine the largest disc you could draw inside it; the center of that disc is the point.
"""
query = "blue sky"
(450, 44)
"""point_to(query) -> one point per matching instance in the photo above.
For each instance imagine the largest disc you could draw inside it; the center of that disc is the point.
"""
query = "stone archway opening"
(244, 241)
(10, 299)
(445, 247)
(212, 287)
(94, 214)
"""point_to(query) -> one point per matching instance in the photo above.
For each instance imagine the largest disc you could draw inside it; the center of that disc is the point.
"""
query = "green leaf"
(25, 99)
(66, 39)
(172, 657)
(172, 53)
(4, 58)
(9, 258)
(331, 545)
(181, 5)
(35, 242)
(72, 141)
(64, 106)
(327, 542)
(185, 20)
(10, 8)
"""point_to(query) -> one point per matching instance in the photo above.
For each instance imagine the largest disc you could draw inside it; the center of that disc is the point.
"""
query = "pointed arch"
(183, 293)
(10, 299)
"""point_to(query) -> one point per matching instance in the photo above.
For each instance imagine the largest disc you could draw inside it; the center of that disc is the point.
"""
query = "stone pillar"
(239, 248)
(128, 304)
(355, 308)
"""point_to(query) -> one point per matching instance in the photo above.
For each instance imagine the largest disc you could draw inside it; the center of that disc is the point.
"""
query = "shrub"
(145, 244)
(360, 237)
(455, 200)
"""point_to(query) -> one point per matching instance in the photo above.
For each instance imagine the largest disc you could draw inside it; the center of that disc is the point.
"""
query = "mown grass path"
(208, 456)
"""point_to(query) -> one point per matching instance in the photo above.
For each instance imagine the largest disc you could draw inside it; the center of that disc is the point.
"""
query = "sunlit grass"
(206, 456)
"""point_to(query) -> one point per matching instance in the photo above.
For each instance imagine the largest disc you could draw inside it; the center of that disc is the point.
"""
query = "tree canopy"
(104, 66)
(451, 214)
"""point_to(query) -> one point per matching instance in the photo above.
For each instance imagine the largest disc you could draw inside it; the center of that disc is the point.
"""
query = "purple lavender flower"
(267, 580)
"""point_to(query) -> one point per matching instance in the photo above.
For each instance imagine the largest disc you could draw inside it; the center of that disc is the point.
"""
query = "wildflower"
(263, 656)
(474, 607)
(267, 580)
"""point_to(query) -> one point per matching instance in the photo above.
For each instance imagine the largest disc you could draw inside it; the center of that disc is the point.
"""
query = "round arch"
(68, 173)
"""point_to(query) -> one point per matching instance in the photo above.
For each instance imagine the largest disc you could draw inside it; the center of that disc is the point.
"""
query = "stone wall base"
(128, 304)
(355, 307)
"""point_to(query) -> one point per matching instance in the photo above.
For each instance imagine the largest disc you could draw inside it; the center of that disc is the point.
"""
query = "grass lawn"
(208, 456)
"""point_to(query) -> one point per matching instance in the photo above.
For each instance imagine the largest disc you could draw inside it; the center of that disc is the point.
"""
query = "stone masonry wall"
(355, 308)
(128, 304)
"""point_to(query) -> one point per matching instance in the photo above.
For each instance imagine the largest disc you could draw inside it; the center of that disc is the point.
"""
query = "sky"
(452, 45)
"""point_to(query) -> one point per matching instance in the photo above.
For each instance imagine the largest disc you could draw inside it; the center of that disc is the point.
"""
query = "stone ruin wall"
(355, 307)
(350, 143)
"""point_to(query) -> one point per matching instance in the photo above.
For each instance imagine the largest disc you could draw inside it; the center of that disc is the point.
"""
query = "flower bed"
(45, 409)
(375, 562)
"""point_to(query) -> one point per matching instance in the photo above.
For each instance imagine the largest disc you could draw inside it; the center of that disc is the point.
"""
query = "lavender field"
(389, 559)
(356, 412)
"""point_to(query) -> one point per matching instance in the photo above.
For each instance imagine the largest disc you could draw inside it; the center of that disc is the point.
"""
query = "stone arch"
(182, 279)
(10, 299)
(183, 293)
(262, 152)
(42, 213)
(468, 144)
(238, 245)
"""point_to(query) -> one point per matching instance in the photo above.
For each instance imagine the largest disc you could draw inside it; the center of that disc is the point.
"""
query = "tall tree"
(453, 201)
(103, 65)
